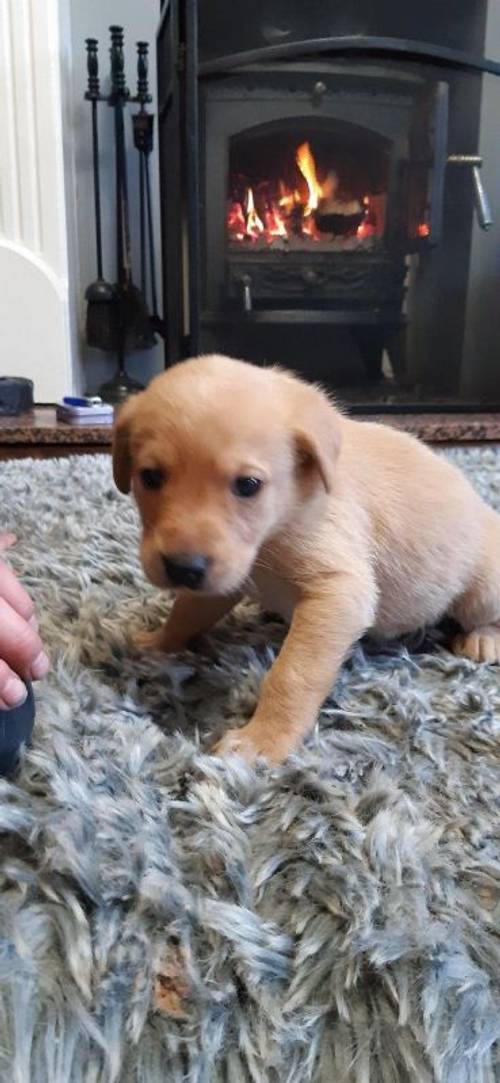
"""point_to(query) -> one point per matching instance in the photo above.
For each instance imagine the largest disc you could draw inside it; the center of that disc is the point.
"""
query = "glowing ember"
(365, 229)
(236, 221)
(316, 210)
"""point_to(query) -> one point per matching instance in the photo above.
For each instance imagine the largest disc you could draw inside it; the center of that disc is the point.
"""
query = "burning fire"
(316, 209)
(290, 212)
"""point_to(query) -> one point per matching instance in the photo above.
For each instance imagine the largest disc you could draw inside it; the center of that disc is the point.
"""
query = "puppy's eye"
(152, 478)
(246, 486)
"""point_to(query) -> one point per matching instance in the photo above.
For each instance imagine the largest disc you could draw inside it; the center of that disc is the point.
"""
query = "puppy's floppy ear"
(317, 435)
(122, 457)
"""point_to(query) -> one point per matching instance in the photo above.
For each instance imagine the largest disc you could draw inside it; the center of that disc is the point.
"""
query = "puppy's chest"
(273, 593)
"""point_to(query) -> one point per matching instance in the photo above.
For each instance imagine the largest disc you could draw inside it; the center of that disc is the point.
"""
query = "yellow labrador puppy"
(250, 481)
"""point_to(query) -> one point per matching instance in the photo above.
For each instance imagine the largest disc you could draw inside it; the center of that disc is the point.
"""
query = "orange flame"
(307, 166)
(275, 225)
(288, 198)
(254, 223)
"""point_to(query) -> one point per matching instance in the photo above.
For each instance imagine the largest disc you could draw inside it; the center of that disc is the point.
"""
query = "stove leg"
(370, 342)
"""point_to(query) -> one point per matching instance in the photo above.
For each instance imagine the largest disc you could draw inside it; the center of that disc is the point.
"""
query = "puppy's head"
(221, 455)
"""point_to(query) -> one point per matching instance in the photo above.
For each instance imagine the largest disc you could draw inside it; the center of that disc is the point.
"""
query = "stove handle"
(481, 201)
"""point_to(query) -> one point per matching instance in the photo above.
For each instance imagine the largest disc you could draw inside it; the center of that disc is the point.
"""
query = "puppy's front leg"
(191, 615)
(323, 629)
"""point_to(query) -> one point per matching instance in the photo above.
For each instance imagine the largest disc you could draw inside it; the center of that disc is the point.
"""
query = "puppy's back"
(428, 525)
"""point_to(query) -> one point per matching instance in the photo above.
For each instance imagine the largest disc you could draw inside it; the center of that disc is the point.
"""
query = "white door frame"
(36, 321)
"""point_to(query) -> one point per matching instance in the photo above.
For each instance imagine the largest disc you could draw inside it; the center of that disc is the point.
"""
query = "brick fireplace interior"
(324, 203)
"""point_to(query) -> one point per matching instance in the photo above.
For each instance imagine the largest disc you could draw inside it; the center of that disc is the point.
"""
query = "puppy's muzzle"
(186, 569)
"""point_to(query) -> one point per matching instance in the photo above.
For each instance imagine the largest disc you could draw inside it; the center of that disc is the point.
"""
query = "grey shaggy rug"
(165, 916)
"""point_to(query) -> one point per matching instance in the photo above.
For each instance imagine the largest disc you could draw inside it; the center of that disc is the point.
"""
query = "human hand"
(21, 652)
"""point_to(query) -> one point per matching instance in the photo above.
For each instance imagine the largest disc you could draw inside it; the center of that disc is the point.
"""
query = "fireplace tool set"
(120, 318)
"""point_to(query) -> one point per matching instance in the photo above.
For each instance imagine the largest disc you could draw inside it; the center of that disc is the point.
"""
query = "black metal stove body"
(311, 215)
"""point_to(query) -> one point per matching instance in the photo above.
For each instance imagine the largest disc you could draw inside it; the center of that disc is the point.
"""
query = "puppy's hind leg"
(478, 609)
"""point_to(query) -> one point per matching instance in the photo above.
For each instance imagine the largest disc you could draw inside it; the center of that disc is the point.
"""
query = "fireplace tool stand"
(118, 318)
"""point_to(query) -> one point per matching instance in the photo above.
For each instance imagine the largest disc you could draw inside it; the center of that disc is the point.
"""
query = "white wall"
(92, 18)
(36, 333)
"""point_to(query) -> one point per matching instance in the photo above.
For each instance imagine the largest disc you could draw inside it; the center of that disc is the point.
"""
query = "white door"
(35, 322)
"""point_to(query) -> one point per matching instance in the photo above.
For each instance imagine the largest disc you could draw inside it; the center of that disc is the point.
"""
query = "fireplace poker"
(143, 132)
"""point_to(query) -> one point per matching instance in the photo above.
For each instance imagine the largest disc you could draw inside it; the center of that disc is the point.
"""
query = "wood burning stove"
(310, 214)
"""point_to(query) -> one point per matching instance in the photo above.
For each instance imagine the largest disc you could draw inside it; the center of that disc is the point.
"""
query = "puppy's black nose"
(186, 569)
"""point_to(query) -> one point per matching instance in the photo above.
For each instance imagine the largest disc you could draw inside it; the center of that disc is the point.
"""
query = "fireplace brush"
(103, 316)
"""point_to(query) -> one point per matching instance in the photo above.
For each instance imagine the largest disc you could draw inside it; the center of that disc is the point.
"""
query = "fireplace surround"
(322, 196)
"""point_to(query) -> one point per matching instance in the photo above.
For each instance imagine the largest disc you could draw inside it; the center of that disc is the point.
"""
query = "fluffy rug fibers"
(166, 916)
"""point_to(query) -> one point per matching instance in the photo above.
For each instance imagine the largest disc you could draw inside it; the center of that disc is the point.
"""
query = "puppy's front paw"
(255, 741)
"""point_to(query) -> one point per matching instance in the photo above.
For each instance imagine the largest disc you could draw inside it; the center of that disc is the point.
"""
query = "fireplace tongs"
(481, 202)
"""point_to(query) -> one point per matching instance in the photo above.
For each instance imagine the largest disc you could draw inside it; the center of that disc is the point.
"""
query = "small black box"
(16, 395)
